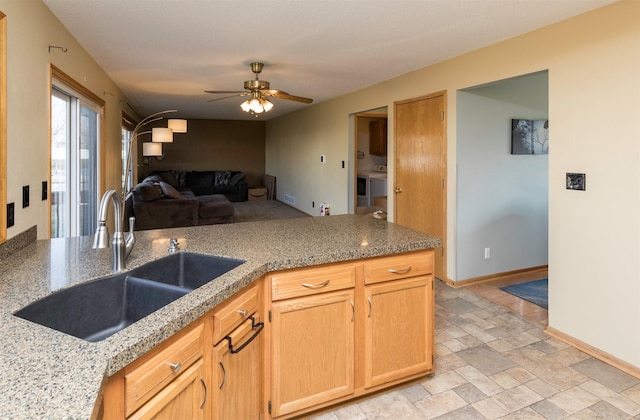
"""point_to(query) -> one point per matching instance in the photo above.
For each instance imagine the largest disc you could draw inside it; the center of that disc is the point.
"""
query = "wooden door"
(237, 378)
(312, 351)
(421, 169)
(398, 329)
(184, 398)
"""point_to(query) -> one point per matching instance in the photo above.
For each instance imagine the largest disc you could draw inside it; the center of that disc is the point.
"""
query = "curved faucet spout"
(121, 247)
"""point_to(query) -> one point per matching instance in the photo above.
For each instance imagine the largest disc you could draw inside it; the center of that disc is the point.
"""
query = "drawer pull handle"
(204, 385)
(400, 271)
(316, 286)
(175, 366)
(242, 312)
(258, 326)
(224, 374)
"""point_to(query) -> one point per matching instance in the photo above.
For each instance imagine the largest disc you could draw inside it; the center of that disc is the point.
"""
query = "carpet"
(255, 211)
(536, 291)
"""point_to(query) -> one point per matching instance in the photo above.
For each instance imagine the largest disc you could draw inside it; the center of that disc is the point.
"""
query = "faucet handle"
(132, 224)
(173, 244)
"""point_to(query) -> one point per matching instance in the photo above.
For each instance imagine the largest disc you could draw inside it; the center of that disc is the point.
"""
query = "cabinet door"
(184, 398)
(237, 376)
(312, 350)
(398, 329)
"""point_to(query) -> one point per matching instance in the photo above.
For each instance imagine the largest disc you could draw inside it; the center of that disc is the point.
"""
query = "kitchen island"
(48, 374)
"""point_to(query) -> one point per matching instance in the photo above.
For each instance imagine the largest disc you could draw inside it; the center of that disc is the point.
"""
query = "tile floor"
(491, 363)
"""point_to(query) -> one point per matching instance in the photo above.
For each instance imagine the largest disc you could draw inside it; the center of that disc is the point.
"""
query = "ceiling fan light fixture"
(246, 106)
(267, 105)
(256, 106)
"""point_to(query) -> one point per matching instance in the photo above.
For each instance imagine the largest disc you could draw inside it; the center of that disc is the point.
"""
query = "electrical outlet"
(313, 204)
(487, 253)
(323, 158)
(10, 215)
(25, 196)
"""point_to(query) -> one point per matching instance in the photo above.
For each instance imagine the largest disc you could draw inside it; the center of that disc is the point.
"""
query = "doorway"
(370, 192)
(421, 169)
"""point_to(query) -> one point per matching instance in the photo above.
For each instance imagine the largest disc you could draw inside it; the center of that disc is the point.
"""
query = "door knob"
(398, 190)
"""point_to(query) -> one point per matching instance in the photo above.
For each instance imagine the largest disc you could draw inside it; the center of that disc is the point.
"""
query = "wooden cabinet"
(237, 358)
(312, 350)
(398, 330)
(344, 330)
(378, 137)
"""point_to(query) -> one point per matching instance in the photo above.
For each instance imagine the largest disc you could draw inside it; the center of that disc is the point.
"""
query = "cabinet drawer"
(311, 281)
(234, 313)
(148, 378)
(398, 267)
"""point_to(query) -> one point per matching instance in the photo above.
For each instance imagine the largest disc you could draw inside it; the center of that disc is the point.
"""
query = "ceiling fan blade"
(226, 97)
(224, 91)
(284, 95)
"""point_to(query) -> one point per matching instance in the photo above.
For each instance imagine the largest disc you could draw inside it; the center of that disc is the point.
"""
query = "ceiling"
(163, 54)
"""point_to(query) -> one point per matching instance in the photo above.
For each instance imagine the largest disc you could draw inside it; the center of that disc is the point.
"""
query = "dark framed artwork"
(529, 137)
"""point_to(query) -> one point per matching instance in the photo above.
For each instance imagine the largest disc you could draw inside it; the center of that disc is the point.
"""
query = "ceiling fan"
(258, 90)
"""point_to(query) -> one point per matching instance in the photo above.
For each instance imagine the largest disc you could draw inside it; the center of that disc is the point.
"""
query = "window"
(75, 161)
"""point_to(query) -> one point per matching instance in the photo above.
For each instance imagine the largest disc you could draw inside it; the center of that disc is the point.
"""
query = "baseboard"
(595, 352)
(496, 277)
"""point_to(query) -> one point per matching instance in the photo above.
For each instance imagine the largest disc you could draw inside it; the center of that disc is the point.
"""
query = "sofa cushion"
(235, 177)
(169, 191)
(222, 178)
(215, 206)
(199, 179)
(148, 191)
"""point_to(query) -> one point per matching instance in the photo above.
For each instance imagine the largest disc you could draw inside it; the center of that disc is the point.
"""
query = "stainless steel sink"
(99, 308)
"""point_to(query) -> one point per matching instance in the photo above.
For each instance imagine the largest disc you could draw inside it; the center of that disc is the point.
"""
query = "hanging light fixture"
(257, 104)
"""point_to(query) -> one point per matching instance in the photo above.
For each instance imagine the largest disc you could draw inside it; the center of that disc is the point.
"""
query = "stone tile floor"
(493, 364)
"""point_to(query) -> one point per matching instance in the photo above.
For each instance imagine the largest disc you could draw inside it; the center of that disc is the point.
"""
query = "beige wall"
(31, 28)
(215, 145)
(594, 102)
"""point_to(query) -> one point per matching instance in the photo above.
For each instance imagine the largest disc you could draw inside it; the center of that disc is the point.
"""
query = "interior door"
(421, 168)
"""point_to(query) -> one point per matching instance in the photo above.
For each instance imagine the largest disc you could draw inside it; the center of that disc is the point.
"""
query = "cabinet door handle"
(400, 270)
(204, 385)
(370, 305)
(242, 312)
(175, 366)
(353, 310)
(224, 375)
(317, 285)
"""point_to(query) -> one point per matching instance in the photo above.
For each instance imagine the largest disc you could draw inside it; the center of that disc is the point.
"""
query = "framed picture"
(529, 137)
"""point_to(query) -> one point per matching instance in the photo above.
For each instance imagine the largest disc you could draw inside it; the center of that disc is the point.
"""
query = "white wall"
(502, 198)
(594, 102)
(31, 28)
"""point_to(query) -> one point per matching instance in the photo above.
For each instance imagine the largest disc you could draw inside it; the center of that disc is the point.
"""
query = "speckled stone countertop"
(48, 374)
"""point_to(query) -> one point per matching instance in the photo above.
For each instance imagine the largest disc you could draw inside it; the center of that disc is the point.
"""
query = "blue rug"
(536, 291)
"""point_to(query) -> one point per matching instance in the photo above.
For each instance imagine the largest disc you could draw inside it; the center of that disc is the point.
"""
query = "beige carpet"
(253, 211)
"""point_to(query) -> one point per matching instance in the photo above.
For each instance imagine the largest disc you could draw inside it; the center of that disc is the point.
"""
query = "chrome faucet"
(121, 247)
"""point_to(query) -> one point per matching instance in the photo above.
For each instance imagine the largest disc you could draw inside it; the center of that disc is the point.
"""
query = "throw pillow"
(181, 177)
(222, 178)
(169, 191)
(235, 178)
(148, 191)
(199, 179)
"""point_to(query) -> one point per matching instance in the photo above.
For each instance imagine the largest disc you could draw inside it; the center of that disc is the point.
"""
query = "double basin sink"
(99, 308)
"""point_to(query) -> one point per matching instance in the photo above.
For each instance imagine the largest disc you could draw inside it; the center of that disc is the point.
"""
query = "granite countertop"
(48, 374)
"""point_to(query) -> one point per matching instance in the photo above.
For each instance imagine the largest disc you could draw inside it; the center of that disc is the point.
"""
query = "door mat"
(536, 291)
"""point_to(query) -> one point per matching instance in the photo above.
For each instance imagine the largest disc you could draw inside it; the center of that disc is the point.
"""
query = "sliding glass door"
(75, 136)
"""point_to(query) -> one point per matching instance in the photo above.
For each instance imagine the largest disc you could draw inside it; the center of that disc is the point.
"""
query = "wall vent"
(289, 199)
